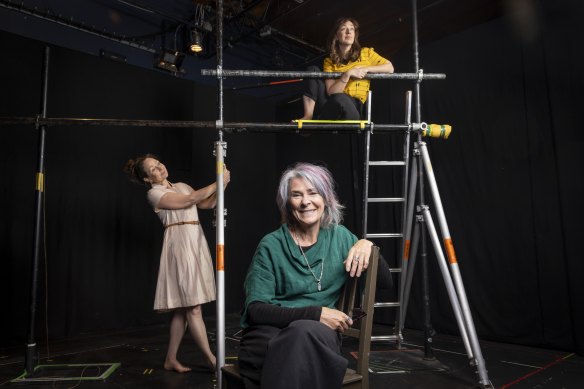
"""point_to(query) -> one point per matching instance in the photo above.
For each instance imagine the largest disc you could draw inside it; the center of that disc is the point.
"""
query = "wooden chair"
(351, 298)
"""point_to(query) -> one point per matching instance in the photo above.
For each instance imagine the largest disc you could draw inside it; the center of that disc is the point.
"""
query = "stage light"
(196, 43)
(170, 60)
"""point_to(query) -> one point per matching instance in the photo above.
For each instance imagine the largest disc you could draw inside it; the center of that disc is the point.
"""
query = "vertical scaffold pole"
(366, 169)
(220, 147)
(409, 199)
(220, 260)
(428, 331)
(30, 354)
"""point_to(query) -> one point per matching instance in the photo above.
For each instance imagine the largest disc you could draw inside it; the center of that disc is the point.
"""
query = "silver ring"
(356, 258)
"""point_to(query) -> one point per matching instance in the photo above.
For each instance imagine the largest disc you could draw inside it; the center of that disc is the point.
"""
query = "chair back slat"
(364, 299)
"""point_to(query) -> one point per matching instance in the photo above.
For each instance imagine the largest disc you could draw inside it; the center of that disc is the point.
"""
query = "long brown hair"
(333, 43)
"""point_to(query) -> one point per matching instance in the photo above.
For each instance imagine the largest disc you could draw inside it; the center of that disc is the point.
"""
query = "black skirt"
(305, 354)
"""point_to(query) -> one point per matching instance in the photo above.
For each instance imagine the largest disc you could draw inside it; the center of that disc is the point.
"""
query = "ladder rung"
(386, 305)
(385, 199)
(387, 163)
(390, 235)
(384, 337)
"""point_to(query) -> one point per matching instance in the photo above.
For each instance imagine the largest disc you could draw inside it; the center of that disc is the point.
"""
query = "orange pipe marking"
(220, 257)
(407, 250)
(450, 251)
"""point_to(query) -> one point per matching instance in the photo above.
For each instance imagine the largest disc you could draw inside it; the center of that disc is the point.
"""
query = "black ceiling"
(283, 34)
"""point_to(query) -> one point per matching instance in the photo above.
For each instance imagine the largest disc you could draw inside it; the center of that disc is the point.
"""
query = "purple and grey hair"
(323, 182)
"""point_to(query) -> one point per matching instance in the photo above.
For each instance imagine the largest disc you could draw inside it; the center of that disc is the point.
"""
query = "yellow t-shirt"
(356, 88)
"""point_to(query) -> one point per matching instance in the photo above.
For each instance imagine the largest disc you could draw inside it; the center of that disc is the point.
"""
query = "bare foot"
(176, 366)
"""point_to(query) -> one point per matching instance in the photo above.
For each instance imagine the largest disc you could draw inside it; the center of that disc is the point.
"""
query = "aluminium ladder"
(450, 271)
(400, 201)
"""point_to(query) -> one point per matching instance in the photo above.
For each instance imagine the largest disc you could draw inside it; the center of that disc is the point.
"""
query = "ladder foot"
(487, 385)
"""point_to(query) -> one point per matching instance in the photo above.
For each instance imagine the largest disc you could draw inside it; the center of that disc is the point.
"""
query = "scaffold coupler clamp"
(214, 222)
(416, 150)
(37, 123)
(417, 146)
(418, 127)
(223, 145)
(420, 75)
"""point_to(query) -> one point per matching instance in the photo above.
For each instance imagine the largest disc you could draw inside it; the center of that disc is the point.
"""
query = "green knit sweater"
(278, 273)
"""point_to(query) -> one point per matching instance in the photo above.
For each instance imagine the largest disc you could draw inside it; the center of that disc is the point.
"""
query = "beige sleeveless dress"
(186, 275)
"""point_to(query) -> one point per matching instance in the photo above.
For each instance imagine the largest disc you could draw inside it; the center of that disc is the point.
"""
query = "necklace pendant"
(319, 287)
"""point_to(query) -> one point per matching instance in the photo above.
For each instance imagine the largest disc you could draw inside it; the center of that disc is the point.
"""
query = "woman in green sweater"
(293, 284)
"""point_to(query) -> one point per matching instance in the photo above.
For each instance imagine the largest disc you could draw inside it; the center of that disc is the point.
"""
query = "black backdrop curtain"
(508, 177)
(103, 240)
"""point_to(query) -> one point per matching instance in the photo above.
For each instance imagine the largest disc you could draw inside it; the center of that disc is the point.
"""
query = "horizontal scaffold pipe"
(285, 74)
(228, 126)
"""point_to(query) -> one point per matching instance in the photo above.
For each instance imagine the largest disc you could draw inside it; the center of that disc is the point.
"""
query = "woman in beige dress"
(185, 277)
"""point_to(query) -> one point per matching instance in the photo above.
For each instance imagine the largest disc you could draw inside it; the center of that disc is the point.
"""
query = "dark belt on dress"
(181, 223)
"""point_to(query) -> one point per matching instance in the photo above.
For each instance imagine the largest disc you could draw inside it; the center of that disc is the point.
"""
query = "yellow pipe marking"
(40, 182)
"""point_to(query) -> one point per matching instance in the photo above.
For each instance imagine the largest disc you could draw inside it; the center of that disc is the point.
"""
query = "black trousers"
(338, 106)
(306, 354)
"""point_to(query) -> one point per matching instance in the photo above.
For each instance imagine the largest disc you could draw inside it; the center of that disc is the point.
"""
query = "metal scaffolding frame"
(42, 122)
(221, 73)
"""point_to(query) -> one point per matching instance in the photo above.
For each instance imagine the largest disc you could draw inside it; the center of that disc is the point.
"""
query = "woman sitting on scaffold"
(343, 98)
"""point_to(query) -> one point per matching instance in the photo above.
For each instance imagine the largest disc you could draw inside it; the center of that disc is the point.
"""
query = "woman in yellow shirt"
(343, 98)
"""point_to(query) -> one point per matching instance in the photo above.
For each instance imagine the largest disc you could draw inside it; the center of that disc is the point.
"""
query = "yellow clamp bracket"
(40, 182)
(361, 123)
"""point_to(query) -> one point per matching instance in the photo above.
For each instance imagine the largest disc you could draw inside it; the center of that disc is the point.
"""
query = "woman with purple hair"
(293, 283)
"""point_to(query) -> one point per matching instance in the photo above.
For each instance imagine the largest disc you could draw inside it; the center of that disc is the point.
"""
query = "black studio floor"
(141, 353)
